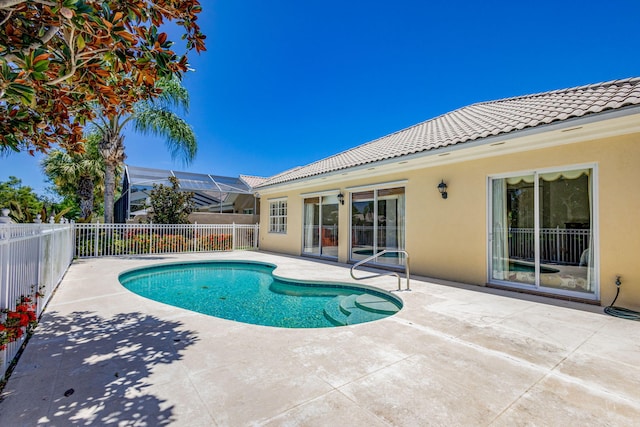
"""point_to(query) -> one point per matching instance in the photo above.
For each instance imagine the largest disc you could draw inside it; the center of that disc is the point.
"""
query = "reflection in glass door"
(542, 232)
(377, 223)
(513, 246)
(320, 234)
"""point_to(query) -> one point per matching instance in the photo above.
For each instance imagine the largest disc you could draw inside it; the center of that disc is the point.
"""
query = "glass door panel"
(311, 230)
(362, 220)
(565, 231)
(329, 229)
(390, 224)
(513, 229)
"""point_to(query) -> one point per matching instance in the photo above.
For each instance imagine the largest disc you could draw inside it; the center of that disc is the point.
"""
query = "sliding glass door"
(320, 234)
(377, 223)
(542, 232)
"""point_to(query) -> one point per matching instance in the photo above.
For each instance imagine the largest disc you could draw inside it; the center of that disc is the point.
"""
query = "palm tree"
(78, 174)
(151, 117)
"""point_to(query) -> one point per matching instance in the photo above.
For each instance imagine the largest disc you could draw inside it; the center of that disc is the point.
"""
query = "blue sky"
(285, 83)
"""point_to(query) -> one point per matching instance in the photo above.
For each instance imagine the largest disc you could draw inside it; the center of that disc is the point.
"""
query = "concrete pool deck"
(454, 355)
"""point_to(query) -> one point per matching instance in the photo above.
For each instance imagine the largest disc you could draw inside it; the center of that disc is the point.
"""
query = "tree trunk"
(85, 194)
(112, 150)
(109, 191)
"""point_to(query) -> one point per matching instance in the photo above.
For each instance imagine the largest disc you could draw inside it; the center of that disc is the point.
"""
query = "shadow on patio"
(96, 369)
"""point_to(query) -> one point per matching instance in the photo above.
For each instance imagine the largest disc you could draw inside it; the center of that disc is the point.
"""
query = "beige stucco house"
(542, 195)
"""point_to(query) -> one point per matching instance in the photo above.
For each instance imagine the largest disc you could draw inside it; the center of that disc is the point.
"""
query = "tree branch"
(74, 67)
(44, 40)
(6, 18)
(90, 55)
(47, 36)
(60, 79)
(5, 4)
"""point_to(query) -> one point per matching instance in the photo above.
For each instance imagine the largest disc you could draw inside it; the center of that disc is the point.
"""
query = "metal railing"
(557, 245)
(95, 240)
(391, 273)
(387, 235)
(33, 258)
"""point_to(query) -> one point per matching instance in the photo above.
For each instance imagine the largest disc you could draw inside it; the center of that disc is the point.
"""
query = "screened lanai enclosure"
(212, 193)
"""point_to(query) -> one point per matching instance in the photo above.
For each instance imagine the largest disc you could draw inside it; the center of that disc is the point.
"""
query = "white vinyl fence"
(33, 258)
(94, 240)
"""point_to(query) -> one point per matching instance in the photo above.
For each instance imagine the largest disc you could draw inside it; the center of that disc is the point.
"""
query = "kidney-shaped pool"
(248, 292)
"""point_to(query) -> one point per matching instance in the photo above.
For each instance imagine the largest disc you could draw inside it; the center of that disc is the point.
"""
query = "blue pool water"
(247, 292)
(369, 252)
(529, 267)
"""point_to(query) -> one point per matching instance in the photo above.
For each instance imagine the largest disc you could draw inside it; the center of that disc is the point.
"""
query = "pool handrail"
(392, 273)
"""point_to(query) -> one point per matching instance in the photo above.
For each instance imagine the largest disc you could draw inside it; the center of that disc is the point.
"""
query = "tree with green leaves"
(151, 117)
(169, 205)
(79, 176)
(23, 202)
(61, 58)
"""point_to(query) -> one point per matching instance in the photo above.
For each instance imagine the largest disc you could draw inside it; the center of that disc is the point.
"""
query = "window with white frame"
(278, 216)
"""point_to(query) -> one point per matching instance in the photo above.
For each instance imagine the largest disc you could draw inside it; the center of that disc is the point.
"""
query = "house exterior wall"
(447, 239)
(246, 201)
(222, 218)
(209, 218)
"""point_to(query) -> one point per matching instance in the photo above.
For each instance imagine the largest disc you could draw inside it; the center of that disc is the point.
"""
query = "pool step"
(375, 304)
(361, 316)
(348, 304)
(353, 309)
(333, 313)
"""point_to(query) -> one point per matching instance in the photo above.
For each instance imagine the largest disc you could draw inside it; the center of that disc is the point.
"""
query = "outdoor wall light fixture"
(341, 198)
(442, 188)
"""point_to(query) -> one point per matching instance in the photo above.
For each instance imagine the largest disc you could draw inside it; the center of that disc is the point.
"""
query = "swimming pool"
(529, 267)
(248, 292)
(369, 252)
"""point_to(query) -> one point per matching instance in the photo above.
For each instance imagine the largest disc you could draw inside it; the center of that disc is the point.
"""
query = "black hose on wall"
(621, 312)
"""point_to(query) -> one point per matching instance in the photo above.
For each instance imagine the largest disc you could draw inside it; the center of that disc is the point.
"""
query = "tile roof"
(478, 121)
(252, 181)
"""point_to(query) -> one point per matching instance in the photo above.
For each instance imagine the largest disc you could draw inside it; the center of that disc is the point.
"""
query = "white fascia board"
(321, 193)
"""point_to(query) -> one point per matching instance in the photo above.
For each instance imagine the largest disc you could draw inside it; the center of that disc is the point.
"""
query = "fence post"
(5, 263)
(74, 237)
(195, 236)
(95, 239)
(233, 236)
(150, 236)
(256, 230)
(557, 243)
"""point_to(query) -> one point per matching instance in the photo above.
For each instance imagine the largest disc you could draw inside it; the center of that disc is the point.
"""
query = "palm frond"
(173, 95)
(180, 138)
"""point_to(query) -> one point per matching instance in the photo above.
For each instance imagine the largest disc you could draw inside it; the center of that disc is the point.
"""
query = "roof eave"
(557, 126)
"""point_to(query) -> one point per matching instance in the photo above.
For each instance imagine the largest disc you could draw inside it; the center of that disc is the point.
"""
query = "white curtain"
(401, 222)
(550, 176)
(500, 245)
(590, 252)
(308, 226)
